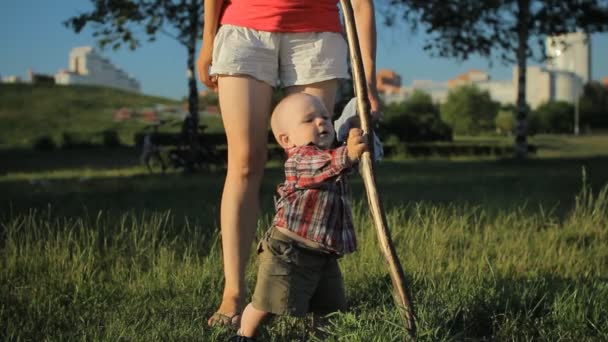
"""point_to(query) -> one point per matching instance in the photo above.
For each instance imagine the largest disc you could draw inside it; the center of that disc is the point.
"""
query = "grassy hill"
(28, 112)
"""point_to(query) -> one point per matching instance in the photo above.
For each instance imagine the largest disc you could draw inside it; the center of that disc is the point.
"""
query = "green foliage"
(505, 122)
(594, 106)
(461, 28)
(499, 29)
(110, 139)
(421, 102)
(44, 143)
(416, 119)
(209, 99)
(469, 110)
(120, 22)
(552, 117)
(71, 140)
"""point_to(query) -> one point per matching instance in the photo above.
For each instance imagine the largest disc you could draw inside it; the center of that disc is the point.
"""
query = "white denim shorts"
(278, 58)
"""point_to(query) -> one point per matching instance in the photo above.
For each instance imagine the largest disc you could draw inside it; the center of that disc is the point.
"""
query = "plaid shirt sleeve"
(315, 166)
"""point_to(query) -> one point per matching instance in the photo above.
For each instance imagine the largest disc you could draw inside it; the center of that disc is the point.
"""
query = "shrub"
(414, 120)
(71, 140)
(505, 122)
(110, 138)
(414, 128)
(469, 110)
(44, 143)
(553, 117)
(208, 99)
(594, 106)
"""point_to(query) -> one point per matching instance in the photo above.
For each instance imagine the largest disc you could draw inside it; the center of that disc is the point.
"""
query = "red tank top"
(283, 15)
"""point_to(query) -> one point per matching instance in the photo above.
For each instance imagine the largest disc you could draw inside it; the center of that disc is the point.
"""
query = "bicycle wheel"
(155, 163)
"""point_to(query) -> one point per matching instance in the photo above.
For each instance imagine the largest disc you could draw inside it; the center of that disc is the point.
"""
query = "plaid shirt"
(313, 199)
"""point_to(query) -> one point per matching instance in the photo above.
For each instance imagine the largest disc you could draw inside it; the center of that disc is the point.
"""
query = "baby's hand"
(356, 144)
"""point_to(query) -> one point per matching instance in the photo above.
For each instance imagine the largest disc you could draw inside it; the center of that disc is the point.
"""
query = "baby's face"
(311, 123)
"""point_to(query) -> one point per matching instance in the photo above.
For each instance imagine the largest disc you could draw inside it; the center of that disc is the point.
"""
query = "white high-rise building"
(570, 52)
(561, 78)
(86, 66)
(564, 74)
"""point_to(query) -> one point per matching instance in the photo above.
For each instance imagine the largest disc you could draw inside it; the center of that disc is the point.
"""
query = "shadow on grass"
(494, 185)
(452, 307)
(28, 160)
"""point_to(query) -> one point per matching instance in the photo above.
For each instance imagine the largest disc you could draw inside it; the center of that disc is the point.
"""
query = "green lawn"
(93, 248)
(29, 112)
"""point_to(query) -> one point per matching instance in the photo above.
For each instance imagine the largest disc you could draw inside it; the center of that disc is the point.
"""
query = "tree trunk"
(523, 17)
(192, 89)
(190, 124)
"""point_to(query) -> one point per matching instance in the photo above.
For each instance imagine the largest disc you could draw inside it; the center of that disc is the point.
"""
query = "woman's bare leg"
(245, 107)
(325, 90)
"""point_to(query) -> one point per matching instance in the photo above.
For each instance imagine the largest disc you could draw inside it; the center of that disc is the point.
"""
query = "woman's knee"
(247, 165)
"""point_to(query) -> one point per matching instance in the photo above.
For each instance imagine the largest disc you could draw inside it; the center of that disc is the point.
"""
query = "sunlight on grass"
(81, 174)
(560, 146)
(492, 249)
(472, 275)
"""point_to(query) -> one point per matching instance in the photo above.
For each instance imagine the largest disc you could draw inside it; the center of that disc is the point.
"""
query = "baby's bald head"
(291, 111)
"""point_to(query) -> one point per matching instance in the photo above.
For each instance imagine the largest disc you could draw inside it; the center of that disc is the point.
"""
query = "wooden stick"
(367, 172)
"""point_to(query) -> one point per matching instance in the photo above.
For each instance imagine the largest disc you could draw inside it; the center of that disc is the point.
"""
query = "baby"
(313, 226)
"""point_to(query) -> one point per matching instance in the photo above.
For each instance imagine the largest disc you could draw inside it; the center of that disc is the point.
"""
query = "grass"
(94, 248)
(510, 276)
(551, 145)
(29, 112)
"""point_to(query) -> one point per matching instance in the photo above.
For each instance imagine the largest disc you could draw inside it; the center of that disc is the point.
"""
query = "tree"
(118, 23)
(502, 28)
(421, 102)
(505, 122)
(594, 106)
(469, 110)
(553, 117)
(416, 119)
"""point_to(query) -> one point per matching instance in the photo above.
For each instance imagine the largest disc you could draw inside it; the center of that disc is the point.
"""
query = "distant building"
(570, 52)
(32, 78)
(35, 78)
(538, 85)
(12, 79)
(389, 87)
(565, 72)
(388, 81)
(501, 91)
(437, 89)
(471, 76)
(561, 78)
(86, 66)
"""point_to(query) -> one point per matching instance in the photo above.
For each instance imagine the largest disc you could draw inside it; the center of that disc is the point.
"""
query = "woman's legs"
(325, 90)
(245, 107)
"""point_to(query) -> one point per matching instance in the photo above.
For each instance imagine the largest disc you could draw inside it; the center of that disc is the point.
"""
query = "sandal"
(221, 319)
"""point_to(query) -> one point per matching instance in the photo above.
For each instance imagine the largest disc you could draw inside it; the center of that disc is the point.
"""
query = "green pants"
(294, 280)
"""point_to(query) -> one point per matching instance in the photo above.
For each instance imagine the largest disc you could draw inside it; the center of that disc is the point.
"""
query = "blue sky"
(33, 36)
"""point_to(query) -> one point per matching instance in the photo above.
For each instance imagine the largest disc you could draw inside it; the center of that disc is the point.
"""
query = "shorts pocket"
(281, 250)
(278, 268)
